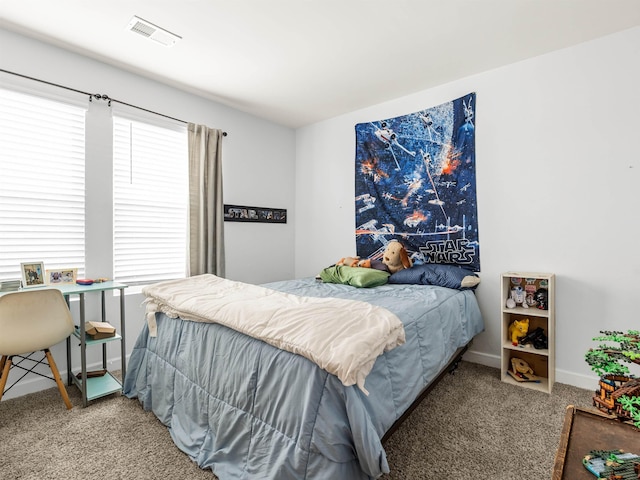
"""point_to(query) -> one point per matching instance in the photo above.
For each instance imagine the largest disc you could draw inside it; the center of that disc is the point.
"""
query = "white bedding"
(344, 337)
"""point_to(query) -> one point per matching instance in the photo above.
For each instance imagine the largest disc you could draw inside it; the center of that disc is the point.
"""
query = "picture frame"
(33, 274)
(61, 276)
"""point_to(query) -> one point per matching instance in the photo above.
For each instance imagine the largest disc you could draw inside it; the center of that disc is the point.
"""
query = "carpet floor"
(470, 426)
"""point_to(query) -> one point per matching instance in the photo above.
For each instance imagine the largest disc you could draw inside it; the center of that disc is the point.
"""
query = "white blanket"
(344, 337)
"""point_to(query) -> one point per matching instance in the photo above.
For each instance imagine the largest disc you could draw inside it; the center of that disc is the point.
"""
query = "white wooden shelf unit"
(542, 361)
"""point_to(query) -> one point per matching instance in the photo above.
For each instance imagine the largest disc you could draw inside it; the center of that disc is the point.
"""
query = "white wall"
(258, 166)
(557, 177)
(558, 181)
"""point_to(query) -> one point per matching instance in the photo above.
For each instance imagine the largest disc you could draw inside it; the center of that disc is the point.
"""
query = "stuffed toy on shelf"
(518, 329)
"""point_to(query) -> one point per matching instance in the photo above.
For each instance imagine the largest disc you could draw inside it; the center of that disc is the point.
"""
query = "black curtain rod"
(97, 96)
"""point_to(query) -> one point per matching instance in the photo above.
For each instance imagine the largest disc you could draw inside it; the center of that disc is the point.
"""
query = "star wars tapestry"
(416, 182)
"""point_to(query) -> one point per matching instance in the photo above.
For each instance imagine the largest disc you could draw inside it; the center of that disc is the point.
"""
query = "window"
(151, 198)
(45, 189)
(42, 183)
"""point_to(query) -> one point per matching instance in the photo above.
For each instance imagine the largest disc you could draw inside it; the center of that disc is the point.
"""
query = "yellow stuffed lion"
(518, 329)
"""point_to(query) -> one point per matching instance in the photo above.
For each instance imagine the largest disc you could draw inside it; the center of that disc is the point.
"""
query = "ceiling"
(297, 62)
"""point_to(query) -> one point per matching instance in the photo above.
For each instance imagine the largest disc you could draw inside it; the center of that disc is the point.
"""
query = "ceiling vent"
(155, 33)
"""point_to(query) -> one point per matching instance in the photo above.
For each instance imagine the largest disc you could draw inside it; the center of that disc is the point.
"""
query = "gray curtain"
(206, 210)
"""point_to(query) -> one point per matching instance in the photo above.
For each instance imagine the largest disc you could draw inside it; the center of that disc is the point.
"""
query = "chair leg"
(5, 365)
(56, 376)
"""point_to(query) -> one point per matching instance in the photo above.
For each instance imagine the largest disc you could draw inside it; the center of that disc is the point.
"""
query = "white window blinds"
(42, 183)
(150, 201)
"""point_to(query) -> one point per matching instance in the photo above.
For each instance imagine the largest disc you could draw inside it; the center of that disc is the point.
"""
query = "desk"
(585, 430)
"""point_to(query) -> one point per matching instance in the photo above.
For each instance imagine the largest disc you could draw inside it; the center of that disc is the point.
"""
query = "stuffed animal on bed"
(395, 257)
(366, 263)
(349, 261)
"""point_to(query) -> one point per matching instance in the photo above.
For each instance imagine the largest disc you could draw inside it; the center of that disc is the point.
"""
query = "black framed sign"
(239, 213)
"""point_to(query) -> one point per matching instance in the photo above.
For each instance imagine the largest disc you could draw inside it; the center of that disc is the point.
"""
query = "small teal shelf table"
(99, 386)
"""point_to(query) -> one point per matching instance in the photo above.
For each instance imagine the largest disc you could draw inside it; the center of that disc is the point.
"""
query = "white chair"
(32, 321)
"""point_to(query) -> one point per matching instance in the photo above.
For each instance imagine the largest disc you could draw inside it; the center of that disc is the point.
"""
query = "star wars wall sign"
(238, 213)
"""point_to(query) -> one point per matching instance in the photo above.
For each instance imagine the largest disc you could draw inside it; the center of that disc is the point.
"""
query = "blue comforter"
(248, 410)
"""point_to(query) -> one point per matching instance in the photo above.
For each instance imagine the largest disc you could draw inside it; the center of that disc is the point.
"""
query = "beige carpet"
(471, 426)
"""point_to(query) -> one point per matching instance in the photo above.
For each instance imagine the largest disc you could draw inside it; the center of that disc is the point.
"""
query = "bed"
(248, 410)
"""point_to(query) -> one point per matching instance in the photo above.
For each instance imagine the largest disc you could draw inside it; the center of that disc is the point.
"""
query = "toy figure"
(517, 297)
(537, 338)
(531, 301)
(542, 298)
(519, 366)
(518, 329)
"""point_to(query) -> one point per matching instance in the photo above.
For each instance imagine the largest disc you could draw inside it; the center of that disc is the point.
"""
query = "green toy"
(609, 362)
(612, 464)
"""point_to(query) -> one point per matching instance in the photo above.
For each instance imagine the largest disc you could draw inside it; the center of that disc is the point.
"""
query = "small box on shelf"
(99, 330)
(92, 373)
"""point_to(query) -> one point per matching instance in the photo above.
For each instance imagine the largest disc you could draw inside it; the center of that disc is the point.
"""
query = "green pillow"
(354, 276)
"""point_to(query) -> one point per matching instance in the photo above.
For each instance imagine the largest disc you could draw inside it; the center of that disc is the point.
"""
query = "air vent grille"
(142, 29)
(153, 32)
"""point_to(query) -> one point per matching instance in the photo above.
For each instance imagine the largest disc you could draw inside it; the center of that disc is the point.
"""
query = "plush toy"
(377, 264)
(518, 329)
(395, 257)
(366, 263)
(349, 261)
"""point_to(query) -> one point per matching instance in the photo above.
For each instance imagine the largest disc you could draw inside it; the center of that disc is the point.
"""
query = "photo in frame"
(61, 276)
(33, 274)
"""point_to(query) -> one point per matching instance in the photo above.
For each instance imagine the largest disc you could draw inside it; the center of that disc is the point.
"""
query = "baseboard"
(481, 358)
(588, 382)
(31, 385)
(36, 383)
